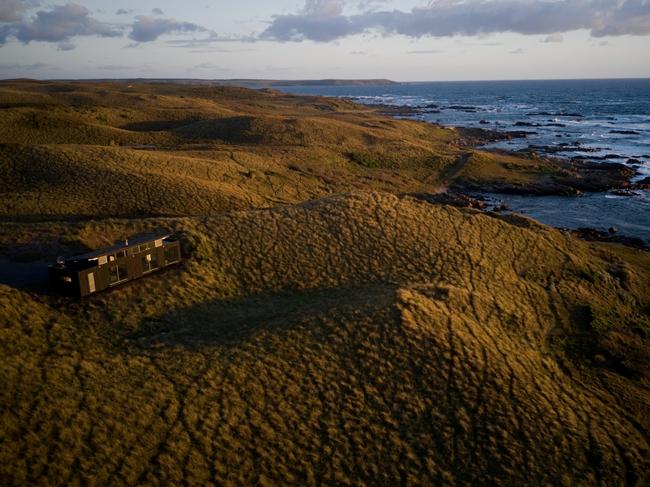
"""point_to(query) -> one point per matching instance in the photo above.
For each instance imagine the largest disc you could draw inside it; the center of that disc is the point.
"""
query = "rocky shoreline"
(578, 176)
(573, 179)
(573, 176)
(477, 202)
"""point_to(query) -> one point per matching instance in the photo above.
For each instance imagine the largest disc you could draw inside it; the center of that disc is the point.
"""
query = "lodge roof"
(132, 242)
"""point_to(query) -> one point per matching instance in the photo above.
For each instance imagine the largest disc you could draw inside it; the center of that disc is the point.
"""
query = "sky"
(402, 40)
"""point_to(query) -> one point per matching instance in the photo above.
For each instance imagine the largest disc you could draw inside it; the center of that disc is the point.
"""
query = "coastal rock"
(463, 108)
(549, 114)
(595, 235)
(643, 184)
(501, 207)
(573, 178)
(624, 192)
(598, 176)
(566, 147)
(454, 199)
(473, 136)
(519, 134)
(530, 189)
(395, 110)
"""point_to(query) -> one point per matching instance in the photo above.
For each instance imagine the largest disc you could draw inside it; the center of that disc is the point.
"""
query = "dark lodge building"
(95, 271)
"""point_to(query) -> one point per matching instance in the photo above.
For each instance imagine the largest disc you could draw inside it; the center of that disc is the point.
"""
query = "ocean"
(597, 120)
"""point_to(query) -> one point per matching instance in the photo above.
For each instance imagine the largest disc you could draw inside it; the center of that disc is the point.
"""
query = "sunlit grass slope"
(114, 149)
(360, 339)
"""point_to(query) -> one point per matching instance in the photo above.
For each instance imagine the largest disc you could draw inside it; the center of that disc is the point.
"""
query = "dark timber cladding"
(95, 271)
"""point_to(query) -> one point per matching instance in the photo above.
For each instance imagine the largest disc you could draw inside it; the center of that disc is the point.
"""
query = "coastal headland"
(345, 313)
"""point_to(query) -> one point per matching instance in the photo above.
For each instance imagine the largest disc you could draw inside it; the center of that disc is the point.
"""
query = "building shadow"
(229, 323)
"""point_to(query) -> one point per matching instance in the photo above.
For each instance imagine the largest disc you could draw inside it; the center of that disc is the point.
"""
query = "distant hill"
(255, 83)
(314, 82)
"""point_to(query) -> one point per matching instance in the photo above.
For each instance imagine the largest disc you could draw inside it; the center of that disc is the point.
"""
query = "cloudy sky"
(290, 39)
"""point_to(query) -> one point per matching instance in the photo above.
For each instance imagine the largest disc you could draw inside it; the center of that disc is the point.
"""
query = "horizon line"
(173, 78)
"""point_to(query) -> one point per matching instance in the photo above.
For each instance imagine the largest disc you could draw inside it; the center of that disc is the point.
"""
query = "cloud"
(20, 70)
(553, 38)
(320, 20)
(113, 67)
(66, 46)
(209, 41)
(13, 10)
(146, 29)
(323, 8)
(206, 66)
(359, 53)
(213, 50)
(210, 50)
(323, 20)
(123, 11)
(517, 51)
(632, 17)
(157, 11)
(23, 67)
(368, 5)
(5, 32)
(60, 24)
(424, 51)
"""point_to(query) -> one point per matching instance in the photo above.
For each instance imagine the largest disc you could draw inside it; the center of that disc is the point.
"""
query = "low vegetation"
(359, 338)
(116, 150)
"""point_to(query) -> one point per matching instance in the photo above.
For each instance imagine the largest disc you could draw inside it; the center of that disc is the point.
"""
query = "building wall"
(135, 264)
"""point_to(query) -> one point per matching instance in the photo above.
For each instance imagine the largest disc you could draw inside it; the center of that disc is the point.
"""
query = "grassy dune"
(361, 338)
(83, 149)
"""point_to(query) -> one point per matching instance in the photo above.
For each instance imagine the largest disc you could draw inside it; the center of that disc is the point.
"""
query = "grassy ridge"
(232, 148)
(361, 338)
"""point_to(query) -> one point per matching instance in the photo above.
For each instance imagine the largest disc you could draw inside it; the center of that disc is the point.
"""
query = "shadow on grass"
(25, 266)
(229, 323)
(28, 276)
(156, 125)
(76, 217)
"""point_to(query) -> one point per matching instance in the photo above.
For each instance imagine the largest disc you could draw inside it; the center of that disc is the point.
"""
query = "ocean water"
(598, 120)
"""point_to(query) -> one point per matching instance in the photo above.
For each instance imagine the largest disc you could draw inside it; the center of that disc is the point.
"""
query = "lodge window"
(117, 273)
(122, 271)
(149, 262)
(113, 275)
(146, 246)
(171, 254)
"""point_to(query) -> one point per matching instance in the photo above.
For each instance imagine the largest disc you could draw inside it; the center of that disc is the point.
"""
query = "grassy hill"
(76, 149)
(326, 327)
